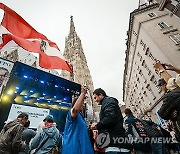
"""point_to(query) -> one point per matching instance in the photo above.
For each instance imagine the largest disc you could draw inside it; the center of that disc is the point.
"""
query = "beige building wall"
(153, 35)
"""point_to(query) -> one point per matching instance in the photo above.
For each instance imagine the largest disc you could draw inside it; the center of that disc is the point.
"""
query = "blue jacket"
(53, 140)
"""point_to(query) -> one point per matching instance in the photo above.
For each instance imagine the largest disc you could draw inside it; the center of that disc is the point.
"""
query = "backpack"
(140, 132)
(138, 129)
(151, 129)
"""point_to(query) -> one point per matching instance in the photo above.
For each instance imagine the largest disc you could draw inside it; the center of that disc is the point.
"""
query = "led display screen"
(29, 86)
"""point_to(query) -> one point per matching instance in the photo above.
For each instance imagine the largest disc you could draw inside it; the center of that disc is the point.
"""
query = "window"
(175, 38)
(152, 78)
(163, 25)
(152, 14)
(147, 51)
(145, 93)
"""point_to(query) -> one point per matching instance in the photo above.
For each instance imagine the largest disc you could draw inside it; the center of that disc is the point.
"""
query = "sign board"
(5, 69)
(36, 115)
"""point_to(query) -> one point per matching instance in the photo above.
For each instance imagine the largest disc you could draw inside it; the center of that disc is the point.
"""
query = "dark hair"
(128, 112)
(49, 118)
(161, 82)
(99, 91)
(22, 115)
(27, 124)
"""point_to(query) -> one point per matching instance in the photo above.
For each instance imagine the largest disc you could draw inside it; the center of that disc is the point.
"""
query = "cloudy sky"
(100, 24)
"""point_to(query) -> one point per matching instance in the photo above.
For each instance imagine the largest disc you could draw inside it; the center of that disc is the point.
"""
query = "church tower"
(75, 56)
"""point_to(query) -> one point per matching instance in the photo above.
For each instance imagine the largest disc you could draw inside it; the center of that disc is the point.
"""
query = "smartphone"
(164, 66)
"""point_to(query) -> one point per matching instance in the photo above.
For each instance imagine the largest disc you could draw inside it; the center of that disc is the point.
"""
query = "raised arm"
(162, 71)
(172, 68)
(79, 103)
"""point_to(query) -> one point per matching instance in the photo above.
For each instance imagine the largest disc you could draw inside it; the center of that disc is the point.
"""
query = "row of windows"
(162, 25)
(174, 37)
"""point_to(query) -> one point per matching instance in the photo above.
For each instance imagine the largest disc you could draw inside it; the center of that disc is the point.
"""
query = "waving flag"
(14, 27)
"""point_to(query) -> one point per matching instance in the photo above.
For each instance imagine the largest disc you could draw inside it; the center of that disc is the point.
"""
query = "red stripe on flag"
(15, 24)
(32, 46)
(21, 31)
(55, 62)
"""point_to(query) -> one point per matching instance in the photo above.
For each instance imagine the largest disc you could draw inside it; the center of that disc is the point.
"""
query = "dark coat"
(27, 135)
(10, 137)
(170, 102)
(111, 119)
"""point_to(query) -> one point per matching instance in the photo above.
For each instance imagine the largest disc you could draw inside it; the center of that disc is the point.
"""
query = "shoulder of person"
(111, 100)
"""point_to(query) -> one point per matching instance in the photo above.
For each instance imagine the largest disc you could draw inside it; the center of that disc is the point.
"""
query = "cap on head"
(49, 118)
(161, 82)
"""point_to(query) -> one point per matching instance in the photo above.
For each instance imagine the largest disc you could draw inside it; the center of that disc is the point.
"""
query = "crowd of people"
(112, 134)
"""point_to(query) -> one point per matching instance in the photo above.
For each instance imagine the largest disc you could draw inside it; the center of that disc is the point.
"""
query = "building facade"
(74, 54)
(154, 34)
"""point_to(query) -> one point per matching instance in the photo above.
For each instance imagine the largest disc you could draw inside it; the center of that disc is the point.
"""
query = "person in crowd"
(162, 83)
(47, 139)
(175, 146)
(27, 135)
(172, 82)
(96, 149)
(155, 132)
(76, 139)
(111, 121)
(135, 130)
(170, 110)
(10, 136)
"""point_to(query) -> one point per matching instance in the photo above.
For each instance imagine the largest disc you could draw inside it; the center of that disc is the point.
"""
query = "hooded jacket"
(52, 133)
(10, 137)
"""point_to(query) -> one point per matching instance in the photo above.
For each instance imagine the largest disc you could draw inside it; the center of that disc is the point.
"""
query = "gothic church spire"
(72, 27)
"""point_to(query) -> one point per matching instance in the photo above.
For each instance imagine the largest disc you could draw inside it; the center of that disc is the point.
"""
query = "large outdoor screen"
(28, 86)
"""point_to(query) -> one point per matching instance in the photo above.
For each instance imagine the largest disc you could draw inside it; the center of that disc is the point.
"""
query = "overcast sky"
(100, 24)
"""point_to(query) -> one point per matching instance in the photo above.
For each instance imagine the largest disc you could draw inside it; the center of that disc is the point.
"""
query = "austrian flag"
(14, 27)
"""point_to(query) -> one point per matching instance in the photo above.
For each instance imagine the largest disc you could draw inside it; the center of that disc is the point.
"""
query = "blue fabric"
(51, 133)
(76, 138)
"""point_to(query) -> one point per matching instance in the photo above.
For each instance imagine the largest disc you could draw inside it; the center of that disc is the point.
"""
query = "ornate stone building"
(154, 34)
(74, 54)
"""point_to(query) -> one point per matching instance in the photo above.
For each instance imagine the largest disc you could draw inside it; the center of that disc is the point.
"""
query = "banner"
(5, 69)
(36, 115)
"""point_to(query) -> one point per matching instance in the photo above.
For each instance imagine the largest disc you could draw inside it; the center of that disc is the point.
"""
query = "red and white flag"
(14, 27)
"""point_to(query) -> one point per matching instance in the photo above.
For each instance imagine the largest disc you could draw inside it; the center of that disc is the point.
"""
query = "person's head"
(128, 112)
(172, 110)
(27, 124)
(48, 119)
(162, 83)
(23, 117)
(98, 95)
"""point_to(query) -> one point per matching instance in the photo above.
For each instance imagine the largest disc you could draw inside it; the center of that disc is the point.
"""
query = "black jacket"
(111, 119)
(170, 102)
